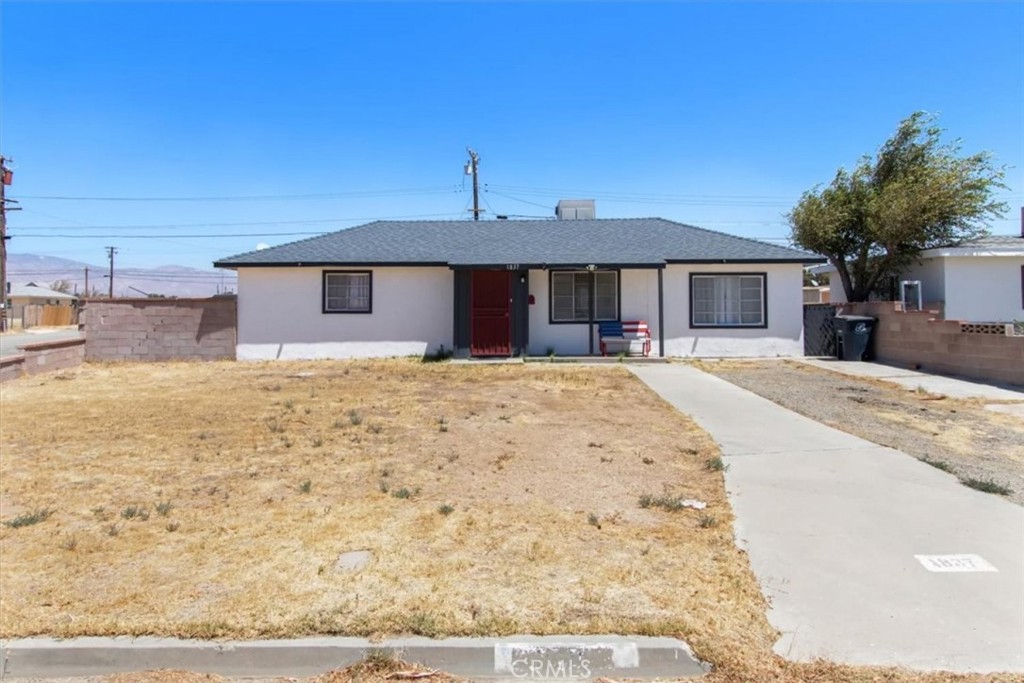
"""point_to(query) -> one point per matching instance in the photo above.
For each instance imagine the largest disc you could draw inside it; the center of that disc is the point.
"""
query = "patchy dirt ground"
(971, 441)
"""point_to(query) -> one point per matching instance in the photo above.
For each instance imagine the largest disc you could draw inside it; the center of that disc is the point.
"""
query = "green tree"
(914, 194)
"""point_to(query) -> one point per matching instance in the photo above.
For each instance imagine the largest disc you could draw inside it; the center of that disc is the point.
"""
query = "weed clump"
(29, 518)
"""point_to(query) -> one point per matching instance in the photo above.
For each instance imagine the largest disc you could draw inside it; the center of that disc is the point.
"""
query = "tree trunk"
(844, 276)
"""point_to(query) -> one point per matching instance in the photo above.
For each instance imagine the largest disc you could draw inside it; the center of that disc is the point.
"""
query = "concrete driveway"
(867, 555)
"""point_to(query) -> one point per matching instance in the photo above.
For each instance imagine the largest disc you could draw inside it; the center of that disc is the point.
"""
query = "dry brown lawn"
(273, 470)
(494, 500)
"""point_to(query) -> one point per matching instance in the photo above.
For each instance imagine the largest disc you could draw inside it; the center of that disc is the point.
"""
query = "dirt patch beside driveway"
(973, 442)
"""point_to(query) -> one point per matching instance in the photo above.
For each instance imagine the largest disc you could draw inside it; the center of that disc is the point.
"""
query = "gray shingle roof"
(34, 290)
(609, 241)
(994, 241)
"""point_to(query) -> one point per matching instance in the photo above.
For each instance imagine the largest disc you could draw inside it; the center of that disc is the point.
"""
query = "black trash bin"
(853, 337)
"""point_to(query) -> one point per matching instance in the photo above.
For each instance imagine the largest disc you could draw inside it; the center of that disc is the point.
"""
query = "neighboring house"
(979, 280)
(19, 296)
(499, 288)
(817, 295)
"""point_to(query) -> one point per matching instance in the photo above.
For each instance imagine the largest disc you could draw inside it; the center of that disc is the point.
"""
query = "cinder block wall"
(43, 357)
(55, 355)
(11, 367)
(918, 338)
(160, 329)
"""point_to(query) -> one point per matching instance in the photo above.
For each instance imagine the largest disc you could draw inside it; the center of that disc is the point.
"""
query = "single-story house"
(518, 287)
(19, 296)
(978, 280)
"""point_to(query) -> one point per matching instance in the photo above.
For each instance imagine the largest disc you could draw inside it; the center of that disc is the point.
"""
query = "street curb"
(514, 657)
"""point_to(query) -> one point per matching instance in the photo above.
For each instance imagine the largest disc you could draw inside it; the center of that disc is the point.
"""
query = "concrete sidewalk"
(953, 387)
(842, 535)
(10, 341)
(511, 658)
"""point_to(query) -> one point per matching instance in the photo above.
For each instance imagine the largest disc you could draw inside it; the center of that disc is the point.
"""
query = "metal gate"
(490, 313)
(819, 330)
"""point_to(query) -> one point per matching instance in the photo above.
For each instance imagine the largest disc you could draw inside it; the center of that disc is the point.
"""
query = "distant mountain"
(179, 281)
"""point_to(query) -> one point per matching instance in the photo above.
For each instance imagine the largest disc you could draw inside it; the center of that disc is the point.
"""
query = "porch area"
(557, 311)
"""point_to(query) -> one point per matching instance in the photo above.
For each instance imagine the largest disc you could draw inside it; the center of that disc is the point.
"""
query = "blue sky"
(714, 114)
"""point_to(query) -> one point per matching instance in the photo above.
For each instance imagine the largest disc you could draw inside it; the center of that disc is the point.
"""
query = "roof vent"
(575, 209)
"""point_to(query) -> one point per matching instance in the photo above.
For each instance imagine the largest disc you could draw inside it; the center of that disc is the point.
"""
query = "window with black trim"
(347, 291)
(571, 292)
(728, 300)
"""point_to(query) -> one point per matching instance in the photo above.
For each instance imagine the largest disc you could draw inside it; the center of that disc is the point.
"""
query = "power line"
(157, 237)
(516, 199)
(168, 226)
(651, 199)
(356, 194)
(307, 221)
(526, 189)
(163, 277)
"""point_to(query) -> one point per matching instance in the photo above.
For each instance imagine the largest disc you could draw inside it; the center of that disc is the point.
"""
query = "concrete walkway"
(953, 387)
(839, 531)
(10, 341)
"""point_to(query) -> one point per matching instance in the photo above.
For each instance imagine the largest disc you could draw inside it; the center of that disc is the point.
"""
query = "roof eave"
(329, 264)
(803, 261)
(972, 251)
(558, 265)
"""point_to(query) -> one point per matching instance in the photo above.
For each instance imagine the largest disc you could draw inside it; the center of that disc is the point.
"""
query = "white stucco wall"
(638, 290)
(564, 339)
(782, 337)
(280, 315)
(983, 288)
(639, 300)
(836, 293)
(931, 273)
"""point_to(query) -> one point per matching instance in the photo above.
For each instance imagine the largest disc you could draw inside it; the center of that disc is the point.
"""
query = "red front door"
(490, 319)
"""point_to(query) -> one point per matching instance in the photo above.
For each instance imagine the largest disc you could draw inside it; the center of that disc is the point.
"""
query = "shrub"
(987, 485)
(716, 464)
(938, 464)
(135, 512)
(29, 518)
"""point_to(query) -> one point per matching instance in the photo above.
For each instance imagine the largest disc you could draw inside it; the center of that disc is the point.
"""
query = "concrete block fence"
(918, 339)
(42, 357)
(160, 329)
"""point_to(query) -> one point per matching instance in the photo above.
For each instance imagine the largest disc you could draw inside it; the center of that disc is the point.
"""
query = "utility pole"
(86, 283)
(6, 176)
(471, 168)
(110, 254)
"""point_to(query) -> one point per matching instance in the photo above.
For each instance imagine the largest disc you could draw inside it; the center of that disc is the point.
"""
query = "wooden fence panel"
(38, 315)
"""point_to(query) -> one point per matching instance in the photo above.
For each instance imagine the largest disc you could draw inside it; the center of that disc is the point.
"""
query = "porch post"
(590, 308)
(661, 313)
